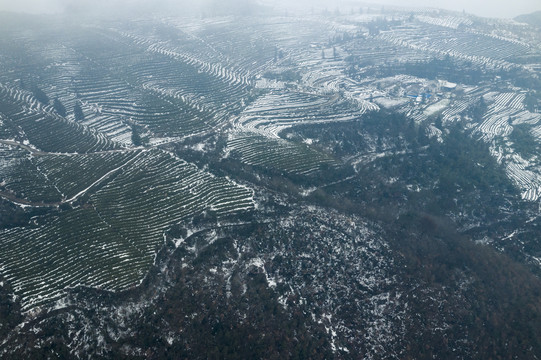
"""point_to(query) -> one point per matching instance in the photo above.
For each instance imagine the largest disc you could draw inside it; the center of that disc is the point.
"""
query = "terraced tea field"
(486, 50)
(88, 117)
(278, 154)
(355, 183)
(43, 128)
(110, 243)
(116, 199)
(72, 174)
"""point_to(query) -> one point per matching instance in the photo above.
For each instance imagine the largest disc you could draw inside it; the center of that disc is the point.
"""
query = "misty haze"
(270, 179)
(498, 8)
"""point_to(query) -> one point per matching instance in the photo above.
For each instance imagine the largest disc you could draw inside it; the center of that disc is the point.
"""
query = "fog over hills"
(497, 8)
(532, 19)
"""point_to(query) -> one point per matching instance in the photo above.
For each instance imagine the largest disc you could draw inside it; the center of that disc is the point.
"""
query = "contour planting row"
(112, 104)
(157, 190)
(465, 24)
(171, 87)
(452, 22)
(280, 110)
(225, 48)
(73, 249)
(475, 44)
(65, 79)
(278, 154)
(73, 174)
(110, 96)
(182, 93)
(206, 97)
(507, 110)
(208, 84)
(184, 66)
(112, 243)
(46, 130)
(457, 108)
(511, 99)
(213, 69)
(485, 50)
(373, 52)
(246, 46)
(528, 181)
(58, 79)
(24, 49)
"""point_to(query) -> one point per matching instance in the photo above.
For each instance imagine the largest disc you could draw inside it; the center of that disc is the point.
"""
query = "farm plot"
(44, 129)
(173, 60)
(238, 48)
(26, 49)
(452, 22)
(207, 87)
(112, 104)
(254, 149)
(455, 111)
(505, 112)
(371, 52)
(279, 110)
(72, 174)
(528, 181)
(76, 248)
(202, 95)
(61, 69)
(160, 85)
(100, 71)
(492, 52)
(167, 190)
(112, 243)
(114, 96)
(248, 47)
(256, 139)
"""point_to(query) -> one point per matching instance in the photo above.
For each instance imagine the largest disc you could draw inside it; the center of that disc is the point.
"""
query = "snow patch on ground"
(437, 107)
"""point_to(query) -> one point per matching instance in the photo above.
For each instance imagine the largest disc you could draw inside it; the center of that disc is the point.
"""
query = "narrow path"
(44, 153)
(22, 146)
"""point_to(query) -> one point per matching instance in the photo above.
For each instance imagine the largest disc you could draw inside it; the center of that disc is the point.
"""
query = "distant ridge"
(533, 19)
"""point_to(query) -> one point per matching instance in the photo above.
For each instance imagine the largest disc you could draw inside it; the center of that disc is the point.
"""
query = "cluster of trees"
(40, 95)
(491, 304)
(10, 310)
(14, 216)
(78, 112)
(136, 138)
(532, 101)
(59, 107)
(500, 312)
(523, 141)
(288, 75)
